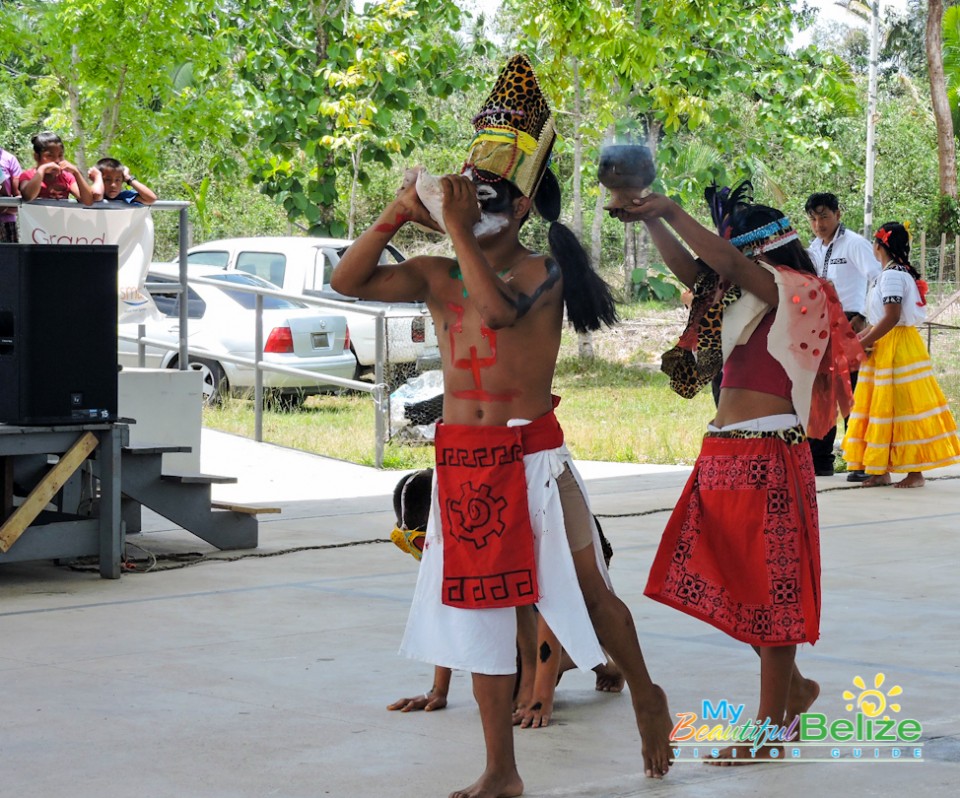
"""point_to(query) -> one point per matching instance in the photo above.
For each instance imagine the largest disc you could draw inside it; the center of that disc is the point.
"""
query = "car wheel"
(214, 383)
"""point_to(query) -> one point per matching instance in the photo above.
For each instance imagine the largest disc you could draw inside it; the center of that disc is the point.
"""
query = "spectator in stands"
(55, 178)
(114, 175)
(10, 172)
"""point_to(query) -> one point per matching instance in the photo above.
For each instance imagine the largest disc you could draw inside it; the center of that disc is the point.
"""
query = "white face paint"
(489, 224)
(485, 192)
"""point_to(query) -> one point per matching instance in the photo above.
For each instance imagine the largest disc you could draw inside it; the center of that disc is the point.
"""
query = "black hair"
(411, 499)
(822, 200)
(588, 298)
(897, 243)
(44, 141)
(752, 217)
(109, 163)
(724, 202)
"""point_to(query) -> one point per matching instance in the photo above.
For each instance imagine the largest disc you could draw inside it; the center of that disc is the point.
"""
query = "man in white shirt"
(846, 259)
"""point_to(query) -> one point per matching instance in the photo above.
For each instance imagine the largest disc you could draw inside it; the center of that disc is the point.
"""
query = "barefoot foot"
(801, 698)
(653, 720)
(428, 702)
(876, 481)
(912, 480)
(609, 678)
(493, 785)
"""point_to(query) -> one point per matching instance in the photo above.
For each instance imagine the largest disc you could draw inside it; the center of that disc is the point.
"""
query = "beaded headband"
(764, 239)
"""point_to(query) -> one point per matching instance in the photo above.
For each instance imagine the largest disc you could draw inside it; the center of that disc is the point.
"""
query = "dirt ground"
(639, 341)
(642, 340)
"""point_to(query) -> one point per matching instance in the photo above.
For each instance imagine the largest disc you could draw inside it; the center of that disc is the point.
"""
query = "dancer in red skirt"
(509, 524)
(741, 550)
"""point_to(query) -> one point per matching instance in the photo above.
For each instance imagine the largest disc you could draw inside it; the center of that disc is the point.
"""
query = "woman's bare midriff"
(741, 404)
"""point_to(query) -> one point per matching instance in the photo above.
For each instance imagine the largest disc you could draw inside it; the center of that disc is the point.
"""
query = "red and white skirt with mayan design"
(742, 548)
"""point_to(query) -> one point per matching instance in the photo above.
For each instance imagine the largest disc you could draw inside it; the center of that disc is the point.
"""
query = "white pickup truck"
(302, 265)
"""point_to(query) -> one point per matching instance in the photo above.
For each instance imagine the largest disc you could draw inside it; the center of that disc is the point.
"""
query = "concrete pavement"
(267, 673)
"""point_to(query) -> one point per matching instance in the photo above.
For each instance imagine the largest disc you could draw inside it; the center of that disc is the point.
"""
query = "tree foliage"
(309, 111)
(675, 67)
(330, 92)
(109, 75)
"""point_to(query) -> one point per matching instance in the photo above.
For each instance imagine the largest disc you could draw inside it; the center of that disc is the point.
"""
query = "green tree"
(107, 74)
(946, 141)
(657, 71)
(331, 92)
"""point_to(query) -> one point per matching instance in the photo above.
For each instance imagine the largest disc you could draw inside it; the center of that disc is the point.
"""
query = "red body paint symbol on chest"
(474, 363)
(397, 224)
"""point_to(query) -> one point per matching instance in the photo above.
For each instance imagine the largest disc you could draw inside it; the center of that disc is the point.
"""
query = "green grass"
(610, 411)
(613, 411)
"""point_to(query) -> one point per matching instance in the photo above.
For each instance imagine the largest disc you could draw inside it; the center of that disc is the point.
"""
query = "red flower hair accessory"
(883, 235)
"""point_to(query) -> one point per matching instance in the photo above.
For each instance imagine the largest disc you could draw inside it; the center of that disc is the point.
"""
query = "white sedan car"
(222, 322)
(302, 266)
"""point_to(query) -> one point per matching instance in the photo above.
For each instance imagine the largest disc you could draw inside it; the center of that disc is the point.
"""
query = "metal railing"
(378, 389)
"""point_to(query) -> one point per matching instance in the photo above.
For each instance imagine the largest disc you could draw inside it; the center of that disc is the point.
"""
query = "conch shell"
(430, 192)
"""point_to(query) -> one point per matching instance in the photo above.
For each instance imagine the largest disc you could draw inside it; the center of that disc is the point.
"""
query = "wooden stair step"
(146, 448)
(198, 479)
(247, 509)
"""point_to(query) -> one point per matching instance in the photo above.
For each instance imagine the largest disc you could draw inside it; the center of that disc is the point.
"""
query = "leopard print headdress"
(514, 129)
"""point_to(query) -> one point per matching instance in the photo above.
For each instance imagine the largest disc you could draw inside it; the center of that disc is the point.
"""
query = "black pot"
(626, 169)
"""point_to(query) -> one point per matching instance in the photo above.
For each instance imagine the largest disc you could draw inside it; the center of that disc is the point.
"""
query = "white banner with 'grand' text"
(129, 227)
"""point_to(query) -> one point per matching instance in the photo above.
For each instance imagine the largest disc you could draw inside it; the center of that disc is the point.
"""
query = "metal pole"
(380, 403)
(871, 119)
(183, 358)
(258, 372)
(943, 258)
(141, 346)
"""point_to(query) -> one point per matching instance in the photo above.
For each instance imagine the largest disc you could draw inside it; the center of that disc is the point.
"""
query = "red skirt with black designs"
(742, 548)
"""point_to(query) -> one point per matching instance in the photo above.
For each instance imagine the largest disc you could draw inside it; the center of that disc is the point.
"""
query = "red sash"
(488, 557)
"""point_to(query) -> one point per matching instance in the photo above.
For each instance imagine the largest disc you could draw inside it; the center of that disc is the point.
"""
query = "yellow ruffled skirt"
(900, 421)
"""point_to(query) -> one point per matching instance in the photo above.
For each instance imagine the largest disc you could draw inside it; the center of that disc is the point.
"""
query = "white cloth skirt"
(485, 641)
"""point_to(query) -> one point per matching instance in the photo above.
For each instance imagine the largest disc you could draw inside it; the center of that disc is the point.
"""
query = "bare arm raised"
(675, 255)
(500, 302)
(359, 272)
(725, 259)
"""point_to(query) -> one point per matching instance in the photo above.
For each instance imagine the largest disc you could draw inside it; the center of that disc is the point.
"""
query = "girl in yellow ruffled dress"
(900, 421)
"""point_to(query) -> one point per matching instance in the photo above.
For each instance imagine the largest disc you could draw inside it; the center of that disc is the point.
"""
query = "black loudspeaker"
(58, 334)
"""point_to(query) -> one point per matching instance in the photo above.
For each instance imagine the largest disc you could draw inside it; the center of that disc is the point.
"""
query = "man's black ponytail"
(589, 300)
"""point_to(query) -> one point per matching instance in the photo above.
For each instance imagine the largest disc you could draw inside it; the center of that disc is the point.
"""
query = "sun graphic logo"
(872, 702)
(871, 723)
